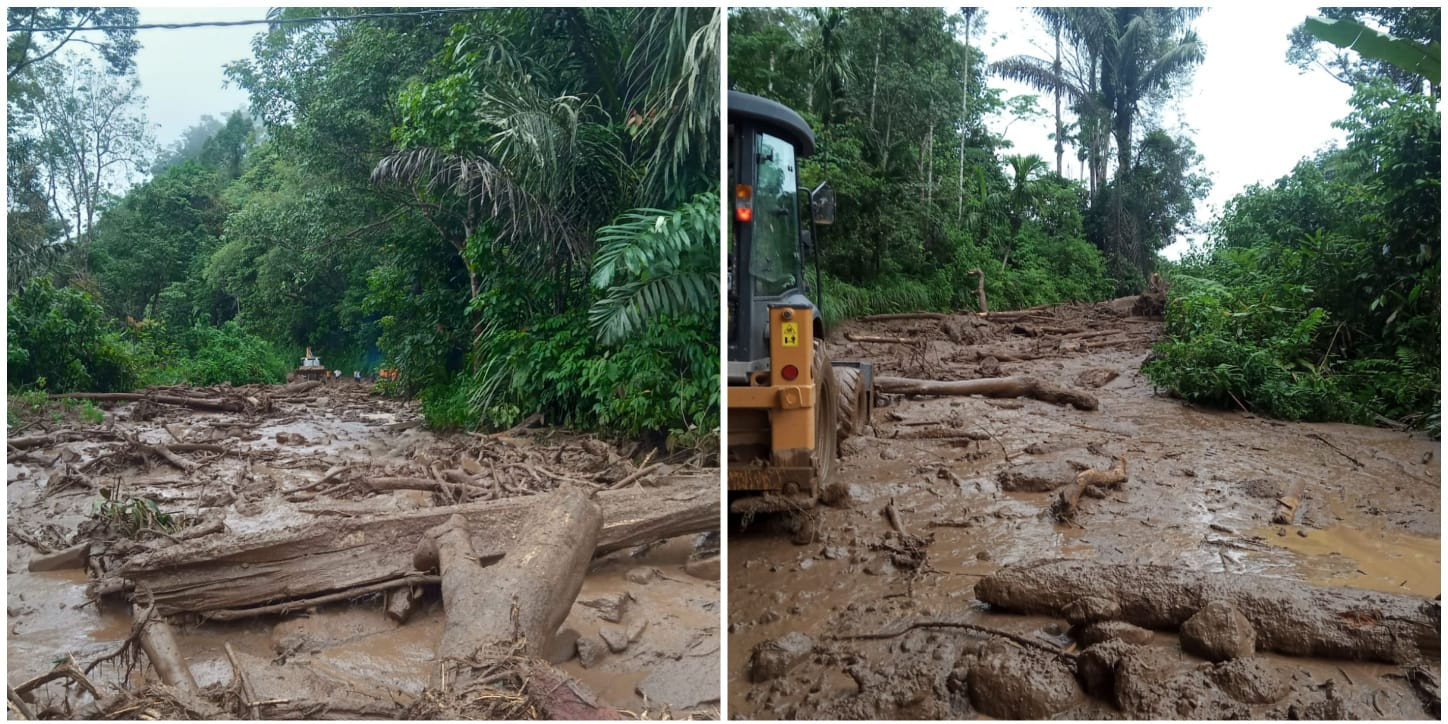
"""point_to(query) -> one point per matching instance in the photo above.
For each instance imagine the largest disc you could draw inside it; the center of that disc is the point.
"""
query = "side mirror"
(822, 204)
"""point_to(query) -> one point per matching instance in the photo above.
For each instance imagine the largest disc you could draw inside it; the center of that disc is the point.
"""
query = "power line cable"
(234, 23)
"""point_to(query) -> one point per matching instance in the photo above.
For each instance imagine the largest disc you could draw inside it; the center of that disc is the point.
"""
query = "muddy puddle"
(257, 473)
(1202, 489)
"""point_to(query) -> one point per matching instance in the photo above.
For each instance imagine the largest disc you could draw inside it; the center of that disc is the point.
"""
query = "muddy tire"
(850, 409)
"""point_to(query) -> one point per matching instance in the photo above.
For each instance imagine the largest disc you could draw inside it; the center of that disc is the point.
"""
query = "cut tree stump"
(331, 556)
(1287, 503)
(990, 387)
(1290, 617)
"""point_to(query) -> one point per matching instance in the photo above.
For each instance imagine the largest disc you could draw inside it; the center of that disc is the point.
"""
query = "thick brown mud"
(347, 654)
(976, 480)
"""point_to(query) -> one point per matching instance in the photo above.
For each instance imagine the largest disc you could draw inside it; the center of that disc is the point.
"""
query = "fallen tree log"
(1290, 617)
(1064, 507)
(333, 557)
(990, 387)
(518, 605)
(898, 317)
(220, 404)
(880, 339)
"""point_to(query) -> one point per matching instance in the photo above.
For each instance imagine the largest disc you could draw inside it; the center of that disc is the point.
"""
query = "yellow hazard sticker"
(789, 334)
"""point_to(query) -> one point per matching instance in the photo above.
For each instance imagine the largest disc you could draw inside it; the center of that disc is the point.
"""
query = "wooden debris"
(1064, 507)
(878, 339)
(1290, 617)
(236, 573)
(72, 557)
(1287, 502)
(990, 387)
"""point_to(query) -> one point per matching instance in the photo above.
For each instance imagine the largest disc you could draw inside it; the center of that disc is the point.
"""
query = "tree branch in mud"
(1290, 617)
(990, 387)
(1064, 507)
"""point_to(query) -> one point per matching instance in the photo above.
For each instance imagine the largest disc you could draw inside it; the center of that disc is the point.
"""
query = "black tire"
(851, 407)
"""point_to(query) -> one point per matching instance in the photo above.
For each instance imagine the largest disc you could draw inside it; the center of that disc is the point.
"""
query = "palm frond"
(675, 80)
(1038, 74)
(486, 187)
(653, 262)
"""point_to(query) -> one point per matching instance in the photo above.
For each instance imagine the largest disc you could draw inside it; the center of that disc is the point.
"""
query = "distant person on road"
(357, 375)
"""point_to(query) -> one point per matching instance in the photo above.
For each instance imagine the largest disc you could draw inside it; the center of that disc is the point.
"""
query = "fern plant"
(652, 263)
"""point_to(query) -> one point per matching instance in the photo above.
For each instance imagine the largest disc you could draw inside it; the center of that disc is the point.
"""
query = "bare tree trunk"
(1056, 66)
(964, 119)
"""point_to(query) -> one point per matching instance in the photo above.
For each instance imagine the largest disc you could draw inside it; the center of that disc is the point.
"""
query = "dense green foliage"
(1319, 298)
(927, 193)
(511, 207)
(58, 340)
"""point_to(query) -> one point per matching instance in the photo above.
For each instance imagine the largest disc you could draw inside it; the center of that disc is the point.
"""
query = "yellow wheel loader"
(789, 406)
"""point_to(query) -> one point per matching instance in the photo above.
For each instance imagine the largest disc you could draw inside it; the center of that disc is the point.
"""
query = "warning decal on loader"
(789, 334)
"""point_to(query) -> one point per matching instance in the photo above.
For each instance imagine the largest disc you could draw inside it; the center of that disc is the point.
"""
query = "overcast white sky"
(1252, 115)
(181, 70)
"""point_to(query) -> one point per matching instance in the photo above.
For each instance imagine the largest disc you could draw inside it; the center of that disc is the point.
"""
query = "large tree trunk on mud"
(990, 387)
(325, 556)
(1290, 617)
(523, 599)
(222, 404)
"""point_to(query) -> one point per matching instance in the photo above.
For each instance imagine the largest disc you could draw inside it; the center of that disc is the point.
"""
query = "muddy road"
(973, 481)
(641, 636)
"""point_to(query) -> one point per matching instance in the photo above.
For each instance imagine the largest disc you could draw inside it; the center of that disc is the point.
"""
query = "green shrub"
(662, 382)
(59, 340)
(230, 354)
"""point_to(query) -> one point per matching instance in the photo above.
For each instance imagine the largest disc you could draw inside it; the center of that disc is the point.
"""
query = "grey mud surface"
(354, 653)
(1200, 496)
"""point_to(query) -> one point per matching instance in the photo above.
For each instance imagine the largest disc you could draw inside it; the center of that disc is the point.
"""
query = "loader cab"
(769, 225)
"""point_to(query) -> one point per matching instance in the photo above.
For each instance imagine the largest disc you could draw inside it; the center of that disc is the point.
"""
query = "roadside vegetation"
(1317, 296)
(433, 193)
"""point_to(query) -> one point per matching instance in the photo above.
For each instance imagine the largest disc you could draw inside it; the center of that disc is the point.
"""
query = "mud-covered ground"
(262, 475)
(1201, 491)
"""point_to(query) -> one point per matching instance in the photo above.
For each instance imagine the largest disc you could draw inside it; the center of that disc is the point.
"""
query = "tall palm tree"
(1130, 54)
